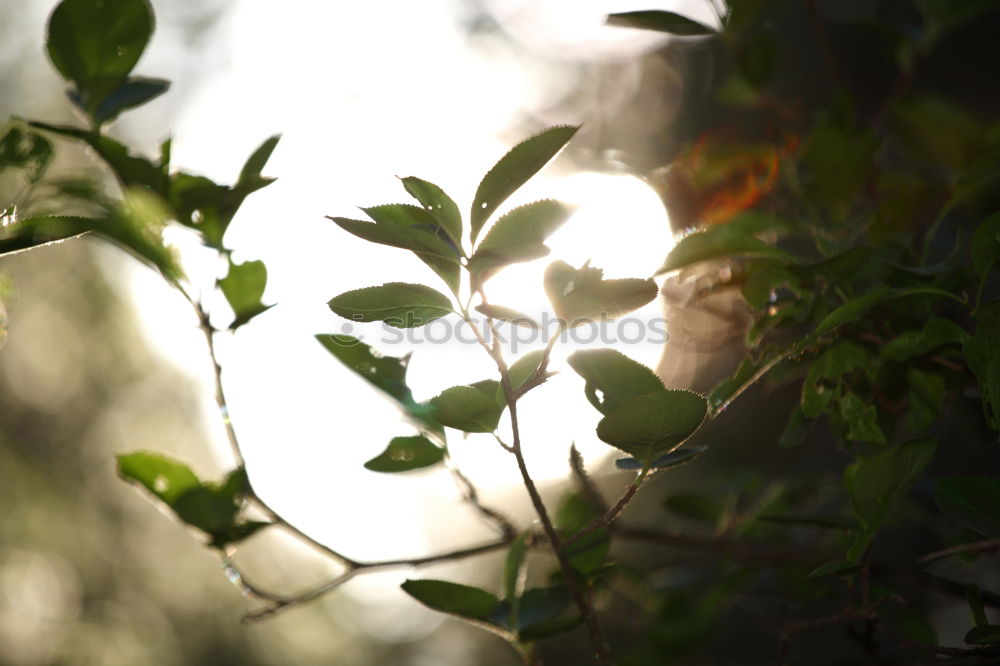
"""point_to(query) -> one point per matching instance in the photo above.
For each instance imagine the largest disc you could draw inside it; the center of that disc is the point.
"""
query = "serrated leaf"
(519, 236)
(522, 370)
(95, 45)
(737, 237)
(660, 21)
(442, 208)
(460, 600)
(243, 288)
(971, 501)
(468, 408)
(876, 484)
(406, 453)
(580, 295)
(135, 91)
(400, 231)
(856, 308)
(510, 315)
(398, 304)
(522, 162)
(651, 425)
(672, 459)
(616, 376)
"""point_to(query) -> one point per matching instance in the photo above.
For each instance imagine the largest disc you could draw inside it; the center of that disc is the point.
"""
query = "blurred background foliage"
(88, 574)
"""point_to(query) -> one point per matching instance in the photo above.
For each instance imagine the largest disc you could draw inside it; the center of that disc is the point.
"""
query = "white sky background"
(363, 92)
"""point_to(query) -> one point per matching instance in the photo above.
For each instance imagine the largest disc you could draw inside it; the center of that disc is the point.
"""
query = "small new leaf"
(243, 287)
(519, 236)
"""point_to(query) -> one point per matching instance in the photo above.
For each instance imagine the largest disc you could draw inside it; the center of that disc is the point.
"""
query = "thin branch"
(358, 568)
(603, 652)
(974, 548)
(612, 514)
(760, 372)
(471, 495)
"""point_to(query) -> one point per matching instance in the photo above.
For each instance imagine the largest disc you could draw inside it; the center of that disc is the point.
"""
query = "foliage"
(868, 264)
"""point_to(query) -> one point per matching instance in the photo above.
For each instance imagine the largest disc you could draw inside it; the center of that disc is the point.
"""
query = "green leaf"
(130, 170)
(926, 398)
(512, 567)
(538, 607)
(988, 634)
(519, 236)
(386, 373)
(877, 483)
(95, 45)
(737, 237)
(862, 419)
(211, 508)
(29, 152)
(250, 175)
(579, 295)
(398, 304)
(936, 333)
(410, 228)
(510, 315)
(588, 555)
(243, 287)
(32, 232)
(522, 370)
(443, 210)
(136, 91)
(840, 568)
(971, 501)
(468, 408)
(617, 377)
(975, 598)
(522, 162)
(550, 628)
(406, 453)
(672, 459)
(652, 425)
(855, 309)
(660, 21)
(471, 603)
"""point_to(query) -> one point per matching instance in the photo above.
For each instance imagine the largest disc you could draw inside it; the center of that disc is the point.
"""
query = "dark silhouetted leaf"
(468, 408)
(519, 236)
(467, 602)
(398, 304)
(443, 210)
(136, 91)
(95, 45)
(971, 501)
(406, 453)
(513, 170)
(877, 483)
(651, 425)
(672, 459)
(660, 21)
(615, 376)
(988, 634)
